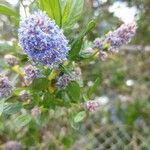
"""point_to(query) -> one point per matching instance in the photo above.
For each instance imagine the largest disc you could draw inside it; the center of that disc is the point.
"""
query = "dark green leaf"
(80, 116)
(93, 88)
(40, 84)
(75, 49)
(73, 90)
(22, 120)
(53, 9)
(49, 100)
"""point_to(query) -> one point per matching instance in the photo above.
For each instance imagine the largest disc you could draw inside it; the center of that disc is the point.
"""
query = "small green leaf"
(9, 12)
(93, 88)
(40, 84)
(22, 120)
(73, 90)
(80, 116)
(12, 108)
(1, 106)
(53, 9)
(49, 100)
(75, 49)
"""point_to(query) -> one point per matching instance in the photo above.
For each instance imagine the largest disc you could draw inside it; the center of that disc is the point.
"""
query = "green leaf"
(12, 108)
(40, 84)
(1, 106)
(77, 44)
(22, 120)
(49, 100)
(74, 13)
(53, 9)
(80, 116)
(73, 90)
(66, 11)
(44, 118)
(93, 88)
(75, 49)
(9, 12)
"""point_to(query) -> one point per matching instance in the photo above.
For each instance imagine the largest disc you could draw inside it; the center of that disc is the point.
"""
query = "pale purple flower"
(11, 60)
(113, 40)
(30, 73)
(35, 111)
(5, 87)
(24, 95)
(77, 71)
(63, 81)
(103, 55)
(12, 145)
(90, 106)
(42, 40)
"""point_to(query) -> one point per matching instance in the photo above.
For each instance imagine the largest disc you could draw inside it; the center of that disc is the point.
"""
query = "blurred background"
(123, 120)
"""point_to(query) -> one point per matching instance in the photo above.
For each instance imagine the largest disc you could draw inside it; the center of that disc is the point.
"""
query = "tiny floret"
(5, 87)
(11, 60)
(24, 95)
(30, 73)
(35, 111)
(42, 40)
(63, 81)
(90, 105)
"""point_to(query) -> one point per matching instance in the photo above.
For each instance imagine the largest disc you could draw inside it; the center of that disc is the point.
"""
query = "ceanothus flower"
(35, 111)
(11, 60)
(24, 95)
(42, 40)
(90, 105)
(5, 87)
(30, 73)
(63, 81)
(113, 40)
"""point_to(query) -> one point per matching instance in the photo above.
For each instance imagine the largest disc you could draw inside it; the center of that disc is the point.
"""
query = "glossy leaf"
(80, 116)
(22, 120)
(73, 90)
(40, 84)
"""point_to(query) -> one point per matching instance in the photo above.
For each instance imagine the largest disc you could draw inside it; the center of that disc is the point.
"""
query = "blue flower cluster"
(42, 40)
